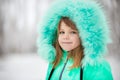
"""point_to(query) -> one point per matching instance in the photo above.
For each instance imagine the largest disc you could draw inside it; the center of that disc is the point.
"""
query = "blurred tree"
(1, 31)
(1, 37)
(112, 10)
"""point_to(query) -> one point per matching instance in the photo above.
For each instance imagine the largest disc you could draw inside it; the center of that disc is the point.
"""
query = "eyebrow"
(71, 30)
(61, 29)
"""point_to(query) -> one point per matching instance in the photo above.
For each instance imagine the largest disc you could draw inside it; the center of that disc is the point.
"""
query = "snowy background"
(19, 20)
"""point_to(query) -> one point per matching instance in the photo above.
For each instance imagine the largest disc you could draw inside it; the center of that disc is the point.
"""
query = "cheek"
(59, 39)
(76, 41)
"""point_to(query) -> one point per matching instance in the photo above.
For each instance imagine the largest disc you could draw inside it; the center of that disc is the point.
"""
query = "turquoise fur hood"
(90, 21)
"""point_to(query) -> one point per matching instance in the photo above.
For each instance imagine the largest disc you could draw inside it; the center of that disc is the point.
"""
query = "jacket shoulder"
(50, 65)
(100, 71)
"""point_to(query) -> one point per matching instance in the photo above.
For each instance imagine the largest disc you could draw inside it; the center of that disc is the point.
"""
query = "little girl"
(73, 38)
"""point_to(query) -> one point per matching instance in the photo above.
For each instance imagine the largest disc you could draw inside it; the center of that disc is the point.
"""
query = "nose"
(66, 36)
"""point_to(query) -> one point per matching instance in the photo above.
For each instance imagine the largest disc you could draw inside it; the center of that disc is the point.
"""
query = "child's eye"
(73, 32)
(61, 32)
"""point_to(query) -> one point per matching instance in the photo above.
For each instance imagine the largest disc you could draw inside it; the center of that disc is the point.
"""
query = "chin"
(67, 49)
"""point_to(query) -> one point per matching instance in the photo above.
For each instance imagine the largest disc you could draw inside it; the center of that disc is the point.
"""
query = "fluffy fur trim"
(90, 21)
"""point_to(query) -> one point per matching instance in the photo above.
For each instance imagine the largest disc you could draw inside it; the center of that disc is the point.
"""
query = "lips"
(67, 42)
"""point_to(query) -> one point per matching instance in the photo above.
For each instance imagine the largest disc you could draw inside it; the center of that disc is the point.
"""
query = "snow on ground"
(31, 67)
(23, 67)
(115, 67)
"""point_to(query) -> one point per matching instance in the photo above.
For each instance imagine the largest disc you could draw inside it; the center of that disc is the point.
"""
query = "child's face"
(68, 38)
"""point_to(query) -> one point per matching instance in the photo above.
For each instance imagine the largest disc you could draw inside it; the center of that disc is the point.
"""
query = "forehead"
(63, 26)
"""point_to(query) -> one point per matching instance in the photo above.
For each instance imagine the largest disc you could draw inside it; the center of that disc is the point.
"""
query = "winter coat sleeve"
(98, 72)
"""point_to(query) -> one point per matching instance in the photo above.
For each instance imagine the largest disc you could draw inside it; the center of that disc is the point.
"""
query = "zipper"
(63, 69)
(81, 72)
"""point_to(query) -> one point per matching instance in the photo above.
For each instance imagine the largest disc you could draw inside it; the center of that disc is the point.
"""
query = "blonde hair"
(76, 54)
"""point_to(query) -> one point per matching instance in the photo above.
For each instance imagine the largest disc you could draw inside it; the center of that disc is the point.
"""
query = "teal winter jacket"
(98, 72)
(93, 29)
